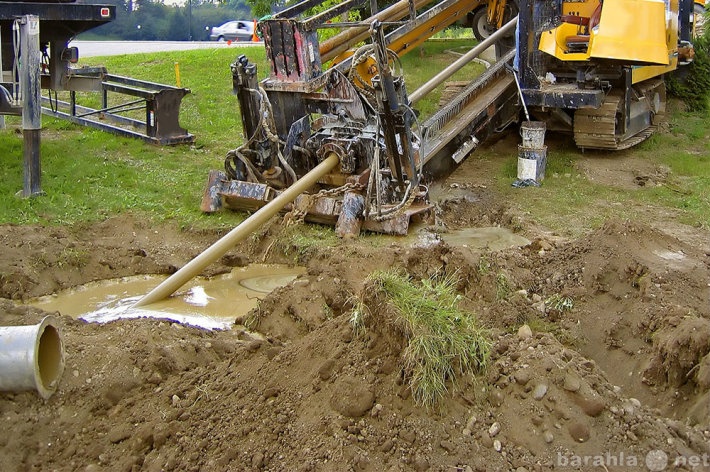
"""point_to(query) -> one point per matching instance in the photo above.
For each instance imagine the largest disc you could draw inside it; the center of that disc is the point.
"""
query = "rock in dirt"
(591, 406)
(421, 464)
(540, 391)
(702, 378)
(579, 432)
(572, 383)
(326, 369)
(352, 398)
(522, 376)
(524, 332)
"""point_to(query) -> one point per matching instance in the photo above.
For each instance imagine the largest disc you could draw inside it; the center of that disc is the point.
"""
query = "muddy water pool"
(212, 303)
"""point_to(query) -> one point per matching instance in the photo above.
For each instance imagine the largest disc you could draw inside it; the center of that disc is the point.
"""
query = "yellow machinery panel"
(633, 31)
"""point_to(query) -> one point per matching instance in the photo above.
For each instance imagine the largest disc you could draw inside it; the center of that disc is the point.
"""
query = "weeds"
(73, 257)
(559, 303)
(297, 241)
(443, 341)
(562, 335)
(358, 314)
(502, 287)
(484, 265)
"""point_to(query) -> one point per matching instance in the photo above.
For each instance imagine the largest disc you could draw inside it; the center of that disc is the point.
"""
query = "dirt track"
(619, 382)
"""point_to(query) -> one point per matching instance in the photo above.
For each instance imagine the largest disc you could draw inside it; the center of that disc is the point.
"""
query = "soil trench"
(600, 358)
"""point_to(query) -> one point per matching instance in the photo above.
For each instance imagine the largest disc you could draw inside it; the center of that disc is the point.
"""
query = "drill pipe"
(343, 41)
(455, 66)
(244, 229)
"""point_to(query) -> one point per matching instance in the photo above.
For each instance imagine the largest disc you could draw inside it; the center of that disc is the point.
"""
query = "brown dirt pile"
(616, 364)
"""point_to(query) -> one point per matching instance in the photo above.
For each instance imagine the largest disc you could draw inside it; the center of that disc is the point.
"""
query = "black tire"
(479, 24)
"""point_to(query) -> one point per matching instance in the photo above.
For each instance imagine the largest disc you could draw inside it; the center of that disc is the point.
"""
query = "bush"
(692, 83)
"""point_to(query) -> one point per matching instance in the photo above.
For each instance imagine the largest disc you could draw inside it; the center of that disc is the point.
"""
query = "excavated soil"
(600, 361)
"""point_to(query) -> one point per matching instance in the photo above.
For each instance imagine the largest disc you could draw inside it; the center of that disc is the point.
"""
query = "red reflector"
(105, 12)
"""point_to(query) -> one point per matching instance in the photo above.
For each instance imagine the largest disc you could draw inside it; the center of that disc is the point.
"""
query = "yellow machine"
(596, 67)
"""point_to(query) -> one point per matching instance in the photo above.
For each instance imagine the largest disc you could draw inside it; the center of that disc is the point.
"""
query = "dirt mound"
(599, 359)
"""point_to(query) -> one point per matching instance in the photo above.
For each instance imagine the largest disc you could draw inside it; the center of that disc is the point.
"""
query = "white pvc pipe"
(31, 358)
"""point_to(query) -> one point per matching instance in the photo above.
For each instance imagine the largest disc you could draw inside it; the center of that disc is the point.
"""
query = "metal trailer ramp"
(134, 108)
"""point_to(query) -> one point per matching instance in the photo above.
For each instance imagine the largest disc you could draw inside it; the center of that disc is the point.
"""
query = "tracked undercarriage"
(618, 124)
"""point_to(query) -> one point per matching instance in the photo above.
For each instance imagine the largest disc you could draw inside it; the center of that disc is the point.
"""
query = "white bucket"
(31, 358)
(533, 134)
(532, 163)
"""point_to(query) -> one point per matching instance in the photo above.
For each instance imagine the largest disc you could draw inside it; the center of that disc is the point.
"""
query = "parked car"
(236, 30)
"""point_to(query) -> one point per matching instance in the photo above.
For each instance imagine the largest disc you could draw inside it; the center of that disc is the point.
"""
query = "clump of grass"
(358, 314)
(502, 287)
(560, 303)
(484, 265)
(443, 341)
(298, 241)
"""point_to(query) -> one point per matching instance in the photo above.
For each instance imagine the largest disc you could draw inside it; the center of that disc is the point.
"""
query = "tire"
(480, 26)
(220, 39)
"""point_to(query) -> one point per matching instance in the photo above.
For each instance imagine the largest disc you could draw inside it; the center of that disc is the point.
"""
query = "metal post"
(189, 20)
(31, 103)
(2, 117)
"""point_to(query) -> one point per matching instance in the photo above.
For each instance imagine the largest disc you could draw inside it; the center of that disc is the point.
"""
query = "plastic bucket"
(531, 163)
(31, 358)
(533, 134)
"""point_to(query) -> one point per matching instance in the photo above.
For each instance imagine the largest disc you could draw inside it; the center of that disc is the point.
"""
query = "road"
(116, 48)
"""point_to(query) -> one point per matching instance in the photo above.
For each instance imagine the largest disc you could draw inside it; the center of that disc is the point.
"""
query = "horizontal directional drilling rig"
(357, 109)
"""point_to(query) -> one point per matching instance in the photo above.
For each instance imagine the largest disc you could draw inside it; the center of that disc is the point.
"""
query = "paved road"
(116, 48)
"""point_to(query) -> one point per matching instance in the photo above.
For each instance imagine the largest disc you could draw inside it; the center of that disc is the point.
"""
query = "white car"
(237, 30)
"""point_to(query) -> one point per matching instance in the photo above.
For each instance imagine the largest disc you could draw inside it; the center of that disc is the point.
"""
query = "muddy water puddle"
(492, 238)
(212, 303)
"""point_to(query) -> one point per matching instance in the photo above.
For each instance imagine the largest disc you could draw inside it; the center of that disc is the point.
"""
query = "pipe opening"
(50, 361)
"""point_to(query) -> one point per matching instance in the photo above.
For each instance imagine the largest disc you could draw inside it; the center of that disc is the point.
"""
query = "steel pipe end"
(31, 357)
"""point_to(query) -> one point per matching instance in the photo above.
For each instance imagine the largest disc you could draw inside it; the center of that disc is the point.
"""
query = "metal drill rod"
(435, 81)
(244, 229)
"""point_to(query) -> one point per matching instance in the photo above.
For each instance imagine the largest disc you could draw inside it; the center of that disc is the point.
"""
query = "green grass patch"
(443, 342)
(299, 240)
(91, 175)
(570, 204)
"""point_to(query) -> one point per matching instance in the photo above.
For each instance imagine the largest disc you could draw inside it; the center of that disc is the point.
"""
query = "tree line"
(153, 20)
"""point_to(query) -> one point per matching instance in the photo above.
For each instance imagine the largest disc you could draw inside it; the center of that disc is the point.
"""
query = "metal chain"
(298, 213)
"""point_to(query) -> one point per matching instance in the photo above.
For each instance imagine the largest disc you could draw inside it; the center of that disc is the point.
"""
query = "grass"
(91, 175)
(442, 341)
(570, 204)
(298, 241)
